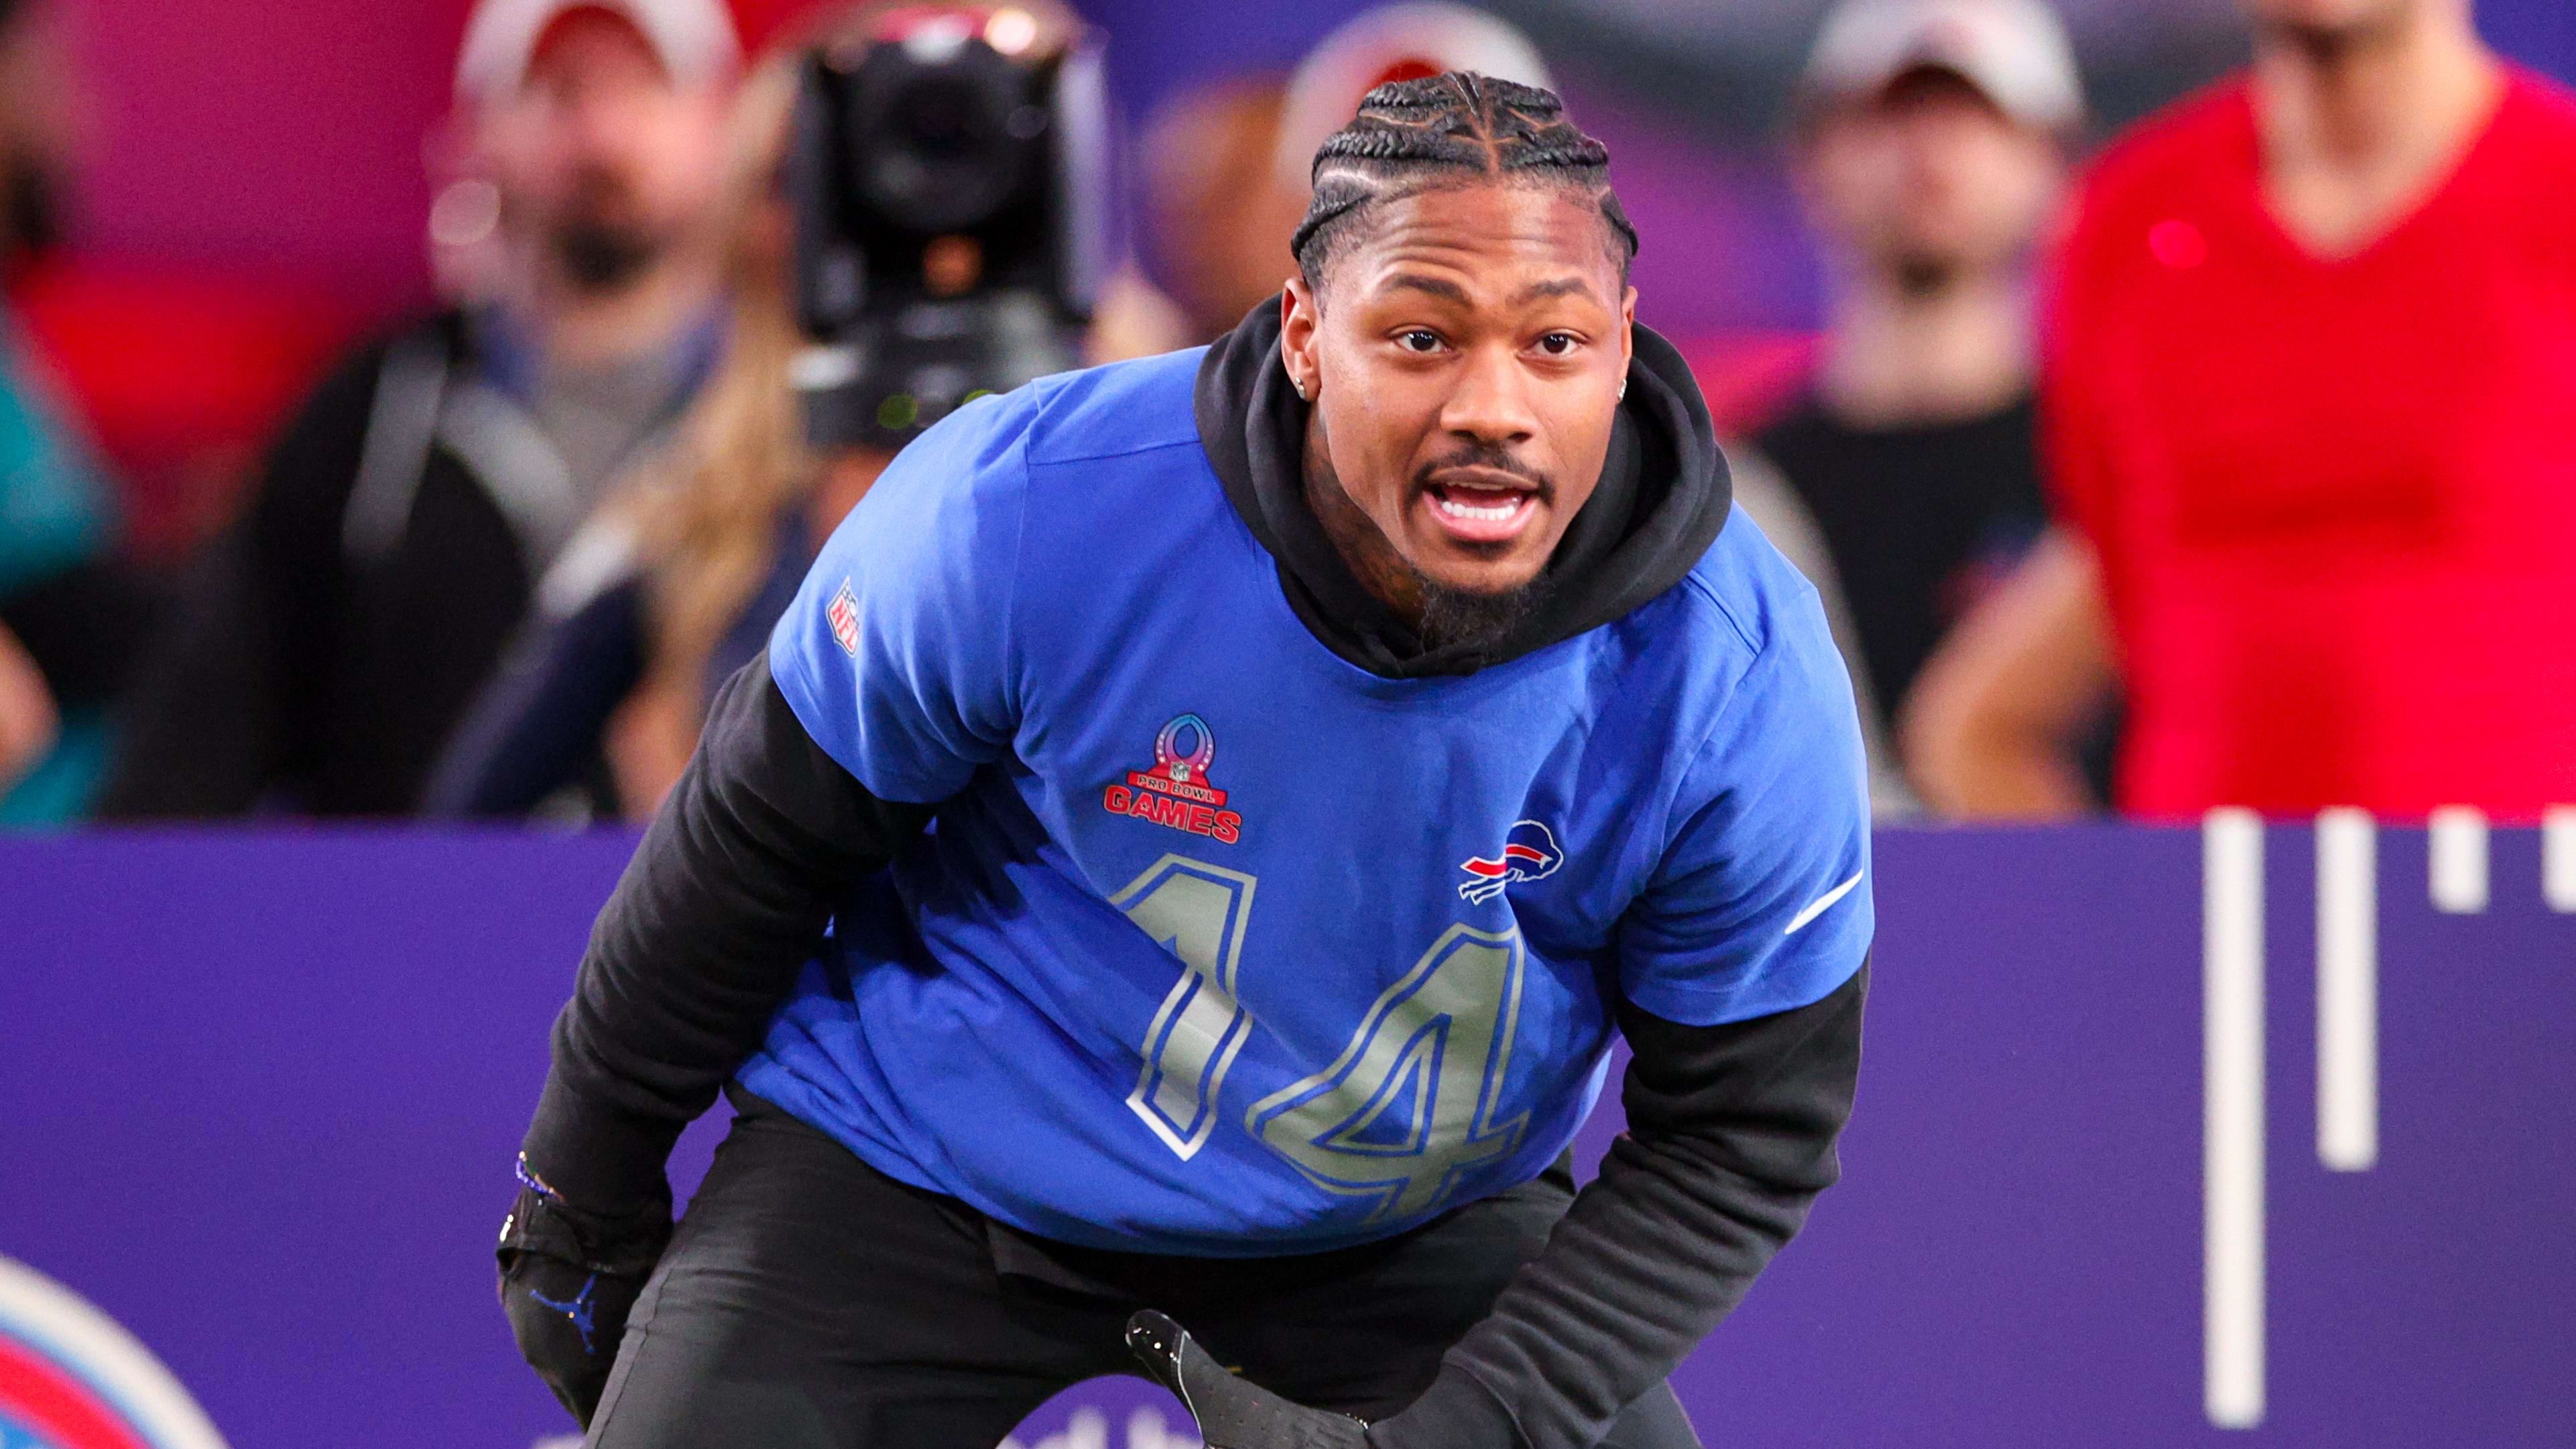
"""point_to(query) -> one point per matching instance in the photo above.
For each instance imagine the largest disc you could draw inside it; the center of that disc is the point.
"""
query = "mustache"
(1490, 457)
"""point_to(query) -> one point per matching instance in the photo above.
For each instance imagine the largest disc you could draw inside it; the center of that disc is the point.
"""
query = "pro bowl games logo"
(70, 1378)
(1176, 791)
(1529, 851)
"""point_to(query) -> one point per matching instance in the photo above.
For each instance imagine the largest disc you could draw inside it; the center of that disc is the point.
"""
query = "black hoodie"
(1731, 1128)
(1663, 497)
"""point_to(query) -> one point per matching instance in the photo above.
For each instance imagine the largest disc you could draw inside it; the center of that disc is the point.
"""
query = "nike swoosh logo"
(1823, 903)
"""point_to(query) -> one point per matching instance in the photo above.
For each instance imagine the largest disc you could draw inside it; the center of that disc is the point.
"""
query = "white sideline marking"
(2347, 991)
(2458, 843)
(1823, 903)
(2558, 857)
(2232, 1117)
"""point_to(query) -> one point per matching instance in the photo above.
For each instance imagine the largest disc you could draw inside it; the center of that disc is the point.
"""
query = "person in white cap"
(596, 128)
(1929, 144)
(413, 509)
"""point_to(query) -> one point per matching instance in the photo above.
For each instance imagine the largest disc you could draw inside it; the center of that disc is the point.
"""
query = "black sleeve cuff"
(597, 1158)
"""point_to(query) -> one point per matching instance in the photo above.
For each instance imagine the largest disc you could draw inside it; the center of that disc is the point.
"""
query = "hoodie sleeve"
(886, 685)
(1731, 1133)
(724, 902)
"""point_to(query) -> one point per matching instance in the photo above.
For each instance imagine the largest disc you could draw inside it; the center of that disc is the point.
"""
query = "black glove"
(568, 1278)
(1232, 1413)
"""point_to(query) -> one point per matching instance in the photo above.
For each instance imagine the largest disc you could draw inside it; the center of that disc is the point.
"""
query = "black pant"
(810, 1302)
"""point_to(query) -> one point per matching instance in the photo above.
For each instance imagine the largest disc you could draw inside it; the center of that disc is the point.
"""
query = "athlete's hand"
(1232, 1413)
(568, 1278)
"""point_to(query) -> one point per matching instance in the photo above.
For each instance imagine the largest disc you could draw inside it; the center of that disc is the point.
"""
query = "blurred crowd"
(2225, 461)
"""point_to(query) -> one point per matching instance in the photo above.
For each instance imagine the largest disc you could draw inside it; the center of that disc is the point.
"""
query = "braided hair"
(1413, 136)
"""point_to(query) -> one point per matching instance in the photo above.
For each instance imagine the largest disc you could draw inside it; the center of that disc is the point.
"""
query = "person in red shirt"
(2311, 382)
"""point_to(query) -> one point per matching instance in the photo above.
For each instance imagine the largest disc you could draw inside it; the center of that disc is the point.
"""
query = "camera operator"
(406, 517)
(915, 213)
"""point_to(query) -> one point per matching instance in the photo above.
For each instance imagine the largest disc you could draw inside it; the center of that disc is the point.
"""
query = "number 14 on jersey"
(1408, 1106)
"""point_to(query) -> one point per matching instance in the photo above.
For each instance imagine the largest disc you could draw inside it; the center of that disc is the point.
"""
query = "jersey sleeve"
(1761, 903)
(897, 654)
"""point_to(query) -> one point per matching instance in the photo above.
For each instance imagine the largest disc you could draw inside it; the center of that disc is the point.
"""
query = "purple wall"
(258, 1097)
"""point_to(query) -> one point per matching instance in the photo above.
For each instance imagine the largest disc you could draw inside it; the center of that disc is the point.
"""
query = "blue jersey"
(1223, 945)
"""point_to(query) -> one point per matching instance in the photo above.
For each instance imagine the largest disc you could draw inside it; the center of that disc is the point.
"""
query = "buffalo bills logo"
(1529, 852)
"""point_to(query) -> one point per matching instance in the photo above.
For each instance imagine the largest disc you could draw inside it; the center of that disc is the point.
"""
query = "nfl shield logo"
(844, 614)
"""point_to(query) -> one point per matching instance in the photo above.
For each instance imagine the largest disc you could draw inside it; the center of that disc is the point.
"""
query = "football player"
(1188, 851)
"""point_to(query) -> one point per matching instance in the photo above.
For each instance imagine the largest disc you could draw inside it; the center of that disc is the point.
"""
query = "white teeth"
(1494, 514)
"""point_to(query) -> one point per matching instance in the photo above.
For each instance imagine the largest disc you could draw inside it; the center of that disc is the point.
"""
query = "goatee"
(1455, 618)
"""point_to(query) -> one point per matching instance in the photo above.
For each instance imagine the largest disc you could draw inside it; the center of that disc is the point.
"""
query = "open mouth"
(1482, 510)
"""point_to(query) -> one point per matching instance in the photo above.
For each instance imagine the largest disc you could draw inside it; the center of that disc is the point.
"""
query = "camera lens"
(940, 145)
(937, 120)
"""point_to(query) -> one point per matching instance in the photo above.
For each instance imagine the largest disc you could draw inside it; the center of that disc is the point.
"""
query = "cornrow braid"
(1413, 135)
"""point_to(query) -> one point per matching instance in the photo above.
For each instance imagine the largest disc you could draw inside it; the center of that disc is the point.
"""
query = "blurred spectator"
(1226, 167)
(403, 522)
(2310, 375)
(680, 580)
(589, 716)
(68, 613)
(181, 374)
(1928, 148)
